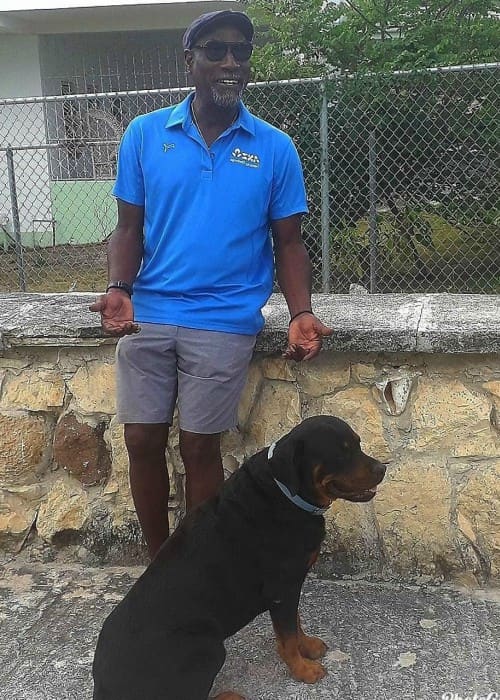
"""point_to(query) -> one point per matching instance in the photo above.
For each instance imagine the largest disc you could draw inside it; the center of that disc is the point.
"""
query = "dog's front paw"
(307, 671)
(312, 647)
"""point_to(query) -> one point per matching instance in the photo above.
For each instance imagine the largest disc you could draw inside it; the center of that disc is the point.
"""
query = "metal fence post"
(372, 214)
(15, 218)
(325, 192)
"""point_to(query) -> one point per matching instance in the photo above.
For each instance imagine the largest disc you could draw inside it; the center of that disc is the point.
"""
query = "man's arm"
(293, 267)
(125, 249)
(125, 246)
(293, 270)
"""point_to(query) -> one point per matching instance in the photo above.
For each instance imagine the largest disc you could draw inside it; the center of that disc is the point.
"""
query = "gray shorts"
(204, 371)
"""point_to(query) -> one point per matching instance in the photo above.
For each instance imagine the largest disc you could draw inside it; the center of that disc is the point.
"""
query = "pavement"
(386, 641)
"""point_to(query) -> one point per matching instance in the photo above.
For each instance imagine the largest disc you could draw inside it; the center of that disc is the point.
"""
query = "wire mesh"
(401, 172)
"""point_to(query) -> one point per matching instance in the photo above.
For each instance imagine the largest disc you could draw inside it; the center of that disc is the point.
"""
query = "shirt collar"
(181, 114)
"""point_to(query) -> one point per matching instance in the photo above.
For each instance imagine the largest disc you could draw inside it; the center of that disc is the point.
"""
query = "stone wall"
(435, 416)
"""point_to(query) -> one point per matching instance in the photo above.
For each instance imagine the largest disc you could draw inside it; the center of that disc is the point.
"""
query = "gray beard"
(226, 99)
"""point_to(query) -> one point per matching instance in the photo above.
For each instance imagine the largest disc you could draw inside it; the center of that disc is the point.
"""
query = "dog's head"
(321, 460)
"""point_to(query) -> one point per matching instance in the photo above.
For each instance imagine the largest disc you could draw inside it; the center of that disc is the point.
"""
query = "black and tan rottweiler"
(244, 551)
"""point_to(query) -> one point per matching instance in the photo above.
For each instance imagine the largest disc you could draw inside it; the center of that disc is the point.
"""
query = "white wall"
(20, 66)
(22, 125)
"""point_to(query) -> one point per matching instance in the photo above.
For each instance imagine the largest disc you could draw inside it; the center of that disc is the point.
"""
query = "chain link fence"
(402, 174)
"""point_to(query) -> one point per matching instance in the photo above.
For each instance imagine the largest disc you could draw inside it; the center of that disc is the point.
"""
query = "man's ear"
(188, 59)
(287, 462)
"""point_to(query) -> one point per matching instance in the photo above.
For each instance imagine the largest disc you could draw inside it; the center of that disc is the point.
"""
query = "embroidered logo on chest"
(249, 159)
(168, 147)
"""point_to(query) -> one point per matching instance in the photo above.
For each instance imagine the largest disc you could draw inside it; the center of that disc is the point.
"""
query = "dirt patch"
(62, 268)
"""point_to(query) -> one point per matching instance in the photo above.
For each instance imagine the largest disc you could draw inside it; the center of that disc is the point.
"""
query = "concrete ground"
(386, 641)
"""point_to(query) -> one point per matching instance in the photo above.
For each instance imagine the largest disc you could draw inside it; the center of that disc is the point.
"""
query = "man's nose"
(229, 60)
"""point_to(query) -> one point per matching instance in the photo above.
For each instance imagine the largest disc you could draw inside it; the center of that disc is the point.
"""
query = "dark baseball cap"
(210, 20)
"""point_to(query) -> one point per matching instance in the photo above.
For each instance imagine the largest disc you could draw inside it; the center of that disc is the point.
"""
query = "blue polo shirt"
(208, 258)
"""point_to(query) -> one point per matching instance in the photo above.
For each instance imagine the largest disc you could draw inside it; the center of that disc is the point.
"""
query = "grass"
(75, 268)
(473, 268)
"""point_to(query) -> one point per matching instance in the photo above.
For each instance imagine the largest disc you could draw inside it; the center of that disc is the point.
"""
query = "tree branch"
(356, 9)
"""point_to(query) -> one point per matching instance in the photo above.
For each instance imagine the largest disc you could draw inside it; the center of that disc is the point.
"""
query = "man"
(198, 187)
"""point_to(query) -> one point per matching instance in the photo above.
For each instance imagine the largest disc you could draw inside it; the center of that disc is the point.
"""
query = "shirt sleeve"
(129, 184)
(288, 194)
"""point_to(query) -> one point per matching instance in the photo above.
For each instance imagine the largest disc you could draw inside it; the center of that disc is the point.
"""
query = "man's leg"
(146, 373)
(212, 369)
(149, 483)
(203, 462)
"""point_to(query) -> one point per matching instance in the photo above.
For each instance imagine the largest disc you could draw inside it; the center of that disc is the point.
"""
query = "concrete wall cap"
(430, 323)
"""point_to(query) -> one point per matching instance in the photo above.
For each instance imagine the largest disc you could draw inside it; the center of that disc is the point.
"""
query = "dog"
(242, 552)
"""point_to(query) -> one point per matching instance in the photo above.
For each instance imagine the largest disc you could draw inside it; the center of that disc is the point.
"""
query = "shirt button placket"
(208, 165)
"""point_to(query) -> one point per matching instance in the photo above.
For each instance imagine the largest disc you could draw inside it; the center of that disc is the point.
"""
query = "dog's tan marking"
(310, 647)
(302, 669)
(312, 559)
(321, 482)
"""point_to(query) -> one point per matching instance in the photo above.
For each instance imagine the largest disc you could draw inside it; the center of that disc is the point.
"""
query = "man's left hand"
(305, 337)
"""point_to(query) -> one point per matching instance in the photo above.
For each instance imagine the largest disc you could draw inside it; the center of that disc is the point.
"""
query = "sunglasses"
(217, 50)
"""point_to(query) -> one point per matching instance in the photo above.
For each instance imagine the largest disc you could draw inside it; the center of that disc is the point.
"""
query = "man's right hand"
(117, 313)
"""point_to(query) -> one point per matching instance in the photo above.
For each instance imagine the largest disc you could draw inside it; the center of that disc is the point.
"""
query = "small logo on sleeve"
(249, 159)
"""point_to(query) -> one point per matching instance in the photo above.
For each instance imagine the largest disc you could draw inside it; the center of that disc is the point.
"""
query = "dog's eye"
(353, 446)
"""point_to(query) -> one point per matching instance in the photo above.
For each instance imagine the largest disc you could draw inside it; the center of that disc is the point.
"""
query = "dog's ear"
(287, 462)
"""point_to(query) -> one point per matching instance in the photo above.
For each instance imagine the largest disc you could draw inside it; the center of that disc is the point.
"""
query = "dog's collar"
(297, 500)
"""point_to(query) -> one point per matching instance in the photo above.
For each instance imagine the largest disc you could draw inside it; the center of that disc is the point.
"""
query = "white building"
(64, 47)
(48, 43)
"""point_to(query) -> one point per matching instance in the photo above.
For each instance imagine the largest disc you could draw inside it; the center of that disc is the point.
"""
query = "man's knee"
(198, 449)
(144, 440)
